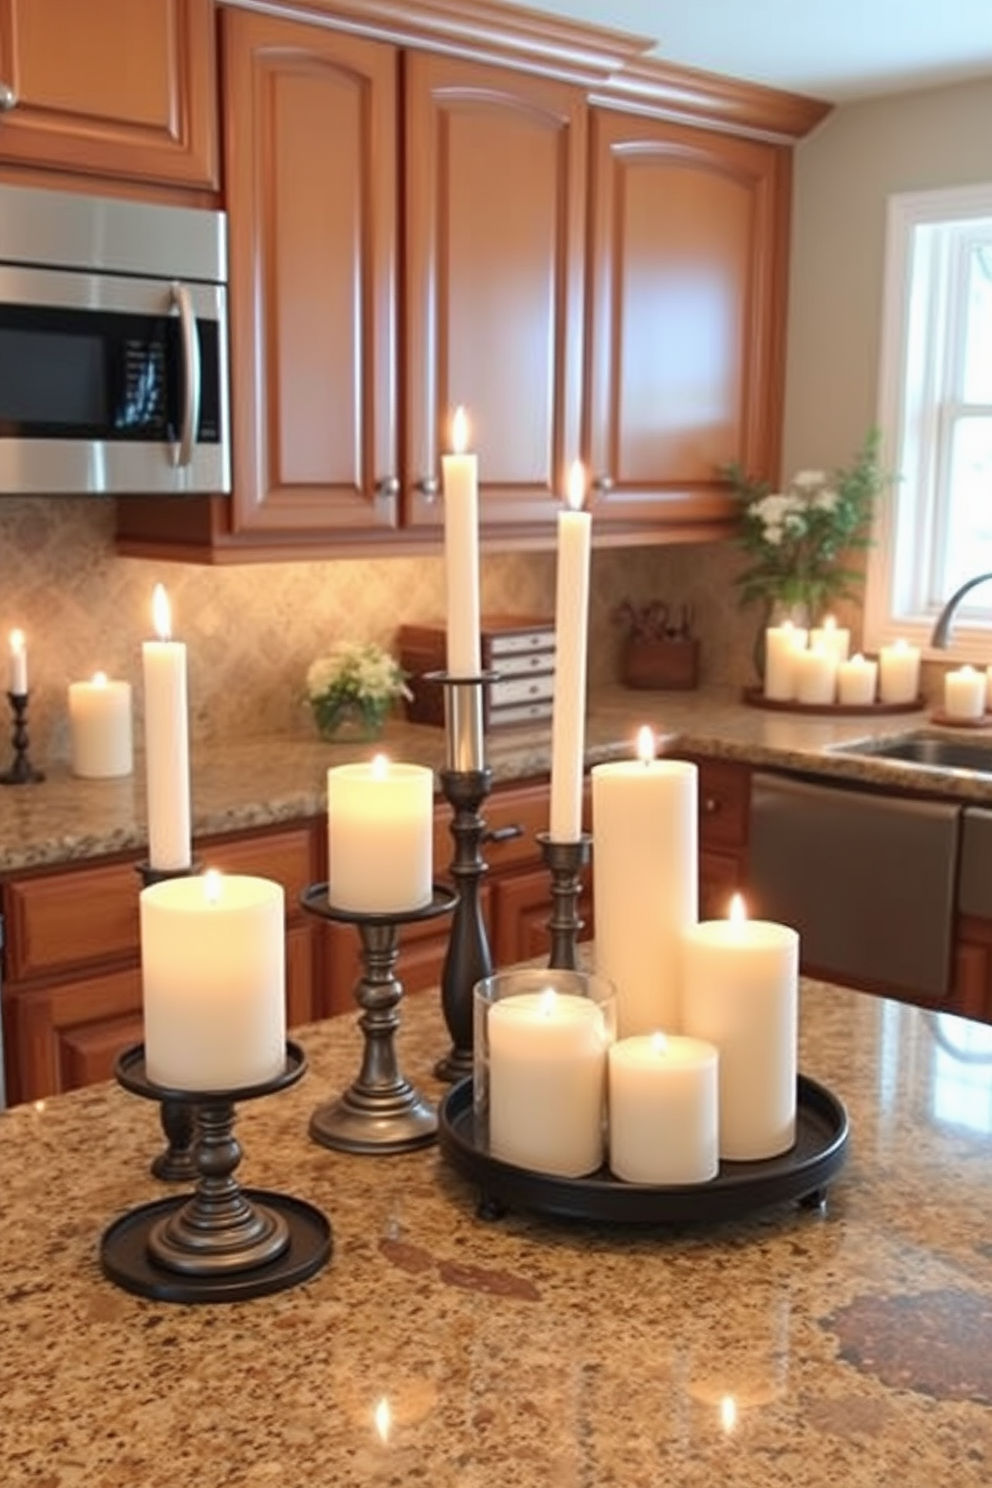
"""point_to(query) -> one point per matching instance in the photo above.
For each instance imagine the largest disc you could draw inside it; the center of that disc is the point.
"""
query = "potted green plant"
(659, 649)
(352, 689)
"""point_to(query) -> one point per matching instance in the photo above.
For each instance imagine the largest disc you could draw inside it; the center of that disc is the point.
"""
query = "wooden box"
(519, 649)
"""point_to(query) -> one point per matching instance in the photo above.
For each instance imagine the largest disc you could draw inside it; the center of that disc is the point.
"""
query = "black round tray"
(739, 1188)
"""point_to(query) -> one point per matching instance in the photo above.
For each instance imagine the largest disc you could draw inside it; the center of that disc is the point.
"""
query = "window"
(936, 412)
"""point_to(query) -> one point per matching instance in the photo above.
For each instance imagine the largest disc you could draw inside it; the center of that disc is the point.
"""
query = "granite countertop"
(241, 784)
(852, 1342)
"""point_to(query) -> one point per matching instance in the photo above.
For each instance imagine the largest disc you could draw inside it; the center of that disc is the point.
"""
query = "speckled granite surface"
(243, 784)
(852, 1343)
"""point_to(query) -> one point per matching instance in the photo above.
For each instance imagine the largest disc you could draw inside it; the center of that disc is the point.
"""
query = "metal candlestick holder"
(565, 861)
(381, 1111)
(176, 1162)
(223, 1243)
(21, 771)
(465, 781)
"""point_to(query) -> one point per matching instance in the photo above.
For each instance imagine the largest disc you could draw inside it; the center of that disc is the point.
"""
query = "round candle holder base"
(565, 862)
(222, 1243)
(381, 1112)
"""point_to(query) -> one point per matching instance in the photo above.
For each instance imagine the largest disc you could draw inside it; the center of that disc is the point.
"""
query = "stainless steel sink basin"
(934, 751)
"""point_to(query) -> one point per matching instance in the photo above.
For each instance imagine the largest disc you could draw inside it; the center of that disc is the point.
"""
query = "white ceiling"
(831, 49)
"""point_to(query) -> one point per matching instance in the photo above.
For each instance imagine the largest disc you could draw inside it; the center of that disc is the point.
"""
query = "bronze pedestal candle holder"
(21, 771)
(381, 1111)
(565, 861)
(222, 1243)
(465, 781)
(176, 1162)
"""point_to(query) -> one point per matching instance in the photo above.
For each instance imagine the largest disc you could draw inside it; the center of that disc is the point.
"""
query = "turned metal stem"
(565, 860)
(467, 959)
(21, 771)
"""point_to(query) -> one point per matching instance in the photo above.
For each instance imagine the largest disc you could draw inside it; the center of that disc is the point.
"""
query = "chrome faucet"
(942, 629)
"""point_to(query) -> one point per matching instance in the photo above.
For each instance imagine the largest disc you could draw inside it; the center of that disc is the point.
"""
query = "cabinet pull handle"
(503, 834)
(182, 453)
(603, 483)
(8, 98)
(390, 486)
(427, 486)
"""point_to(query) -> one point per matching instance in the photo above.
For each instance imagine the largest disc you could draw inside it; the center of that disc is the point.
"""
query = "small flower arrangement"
(356, 683)
(799, 539)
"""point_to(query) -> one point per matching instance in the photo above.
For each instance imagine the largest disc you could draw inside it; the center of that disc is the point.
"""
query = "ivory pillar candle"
(568, 719)
(741, 994)
(964, 693)
(832, 637)
(547, 1081)
(460, 480)
(663, 1109)
(100, 728)
(857, 681)
(18, 664)
(380, 826)
(213, 981)
(816, 676)
(644, 865)
(783, 645)
(166, 742)
(899, 672)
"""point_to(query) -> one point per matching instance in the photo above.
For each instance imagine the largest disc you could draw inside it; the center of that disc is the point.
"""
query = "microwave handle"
(182, 454)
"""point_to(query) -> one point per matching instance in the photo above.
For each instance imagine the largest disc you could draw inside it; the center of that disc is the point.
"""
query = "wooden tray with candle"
(755, 698)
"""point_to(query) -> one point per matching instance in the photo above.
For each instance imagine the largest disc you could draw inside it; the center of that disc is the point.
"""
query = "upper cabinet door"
(495, 181)
(122, 88)
(686, 312)
(310, 154)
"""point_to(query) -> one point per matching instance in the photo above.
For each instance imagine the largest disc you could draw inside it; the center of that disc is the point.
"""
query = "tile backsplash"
(252, 629)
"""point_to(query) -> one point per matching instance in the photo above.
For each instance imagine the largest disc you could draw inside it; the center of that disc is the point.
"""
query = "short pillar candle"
(899, 672)
(784, 644)
(100, 728)
(663, 1109)
(816, 676)
(964, 693)
(857, 681)
(380, 831)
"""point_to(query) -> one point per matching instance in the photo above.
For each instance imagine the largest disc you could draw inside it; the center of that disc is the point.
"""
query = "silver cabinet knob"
(388, 486)
(603, 483)
(428, 486)
(8, 98)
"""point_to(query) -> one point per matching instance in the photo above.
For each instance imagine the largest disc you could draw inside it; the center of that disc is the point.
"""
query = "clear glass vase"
(351, 722)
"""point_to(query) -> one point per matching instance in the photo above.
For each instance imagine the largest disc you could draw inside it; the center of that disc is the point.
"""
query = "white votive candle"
(663, 1109)
(166, 742)
(645, 831)
(832, 637)
(568, 719)
(857, 681)
(899, 672)
(547, 1082)
(964, 693)
(816, 676)
(18, 664)
(100, 728)
(783, 644)
(741, 994)
(380, 825)
(213, 981)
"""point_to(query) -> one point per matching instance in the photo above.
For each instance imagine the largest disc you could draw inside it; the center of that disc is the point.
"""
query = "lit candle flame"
(383, 1419)
(830, 623)
(576, 488)
(161, 613)
(546, 1002)
(645, 745)
(17, 640)
(99, 679)
(212, 885)
(459, 431)
(379, 767)
(728, 1413)
(659, 1043)
(738, 910)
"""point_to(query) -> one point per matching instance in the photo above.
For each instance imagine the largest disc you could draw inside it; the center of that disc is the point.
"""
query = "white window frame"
(899, 599)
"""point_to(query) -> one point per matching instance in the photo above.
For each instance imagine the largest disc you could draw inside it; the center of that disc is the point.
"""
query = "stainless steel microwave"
(113, 346)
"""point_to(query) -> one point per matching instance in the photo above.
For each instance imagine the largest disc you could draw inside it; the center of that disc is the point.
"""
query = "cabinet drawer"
(724, 800)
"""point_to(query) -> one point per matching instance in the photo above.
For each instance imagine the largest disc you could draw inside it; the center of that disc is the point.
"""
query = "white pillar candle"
(832, 637)
(18, 664)
(547, 1082)
(783, 644)
(644, 861)
(213, 981)
(857, 681)
(741, 994)
(568, 719)
(663, 1109)
(166, 742)
(899, 673)
(816, 676)
(964, 693)
(460, 478)
(100, 728)
(380, 825)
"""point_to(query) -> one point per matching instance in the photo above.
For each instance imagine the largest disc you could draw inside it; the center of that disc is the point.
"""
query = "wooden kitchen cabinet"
(724, 794)
(686, 317)
(110, 88)
(72, 981)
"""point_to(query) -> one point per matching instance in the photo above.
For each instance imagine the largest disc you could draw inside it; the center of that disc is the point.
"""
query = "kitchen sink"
(930, 750)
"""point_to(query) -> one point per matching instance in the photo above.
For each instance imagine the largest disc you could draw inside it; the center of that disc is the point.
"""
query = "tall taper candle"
(166, 742)
(18, 664)
(568, 720)
(460, 475)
